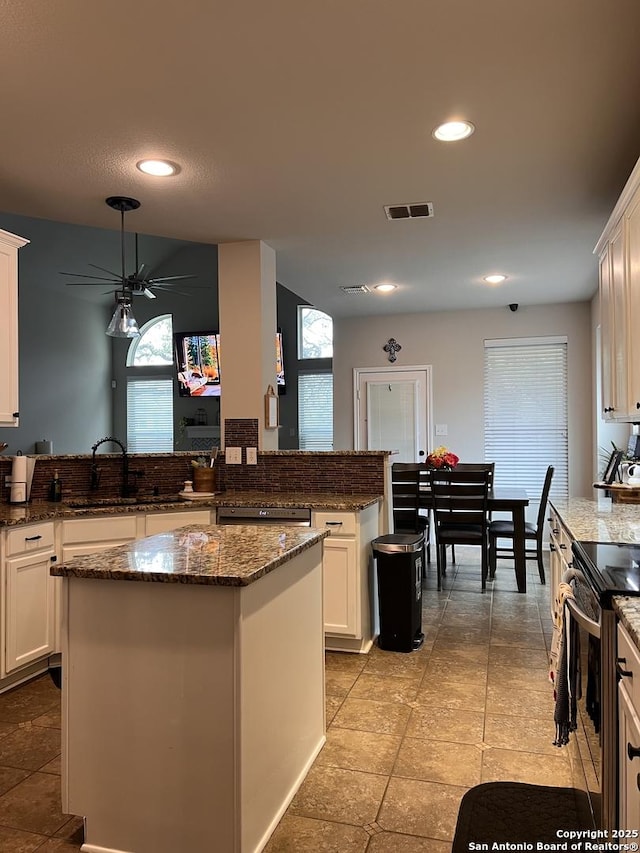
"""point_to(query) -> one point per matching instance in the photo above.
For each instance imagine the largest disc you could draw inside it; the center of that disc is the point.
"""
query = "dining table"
(502, 499)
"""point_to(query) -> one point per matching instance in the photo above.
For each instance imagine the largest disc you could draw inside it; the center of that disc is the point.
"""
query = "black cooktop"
(611, 568)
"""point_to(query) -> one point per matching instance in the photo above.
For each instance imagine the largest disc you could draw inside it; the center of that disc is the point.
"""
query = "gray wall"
(453, 343)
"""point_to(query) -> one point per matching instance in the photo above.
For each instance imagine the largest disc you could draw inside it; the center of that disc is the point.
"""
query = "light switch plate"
(252, 455)
(233, 455)
(441, 429)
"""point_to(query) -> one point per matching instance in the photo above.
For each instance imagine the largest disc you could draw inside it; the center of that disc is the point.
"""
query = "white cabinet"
(628, 732)
(82, 536)
(161, 522)
(619, 273)
(9, 245)
(348, 597)
(29, 595)
(561, 557)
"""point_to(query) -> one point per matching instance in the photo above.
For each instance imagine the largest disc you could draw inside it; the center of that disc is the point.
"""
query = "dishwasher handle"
(590, 626)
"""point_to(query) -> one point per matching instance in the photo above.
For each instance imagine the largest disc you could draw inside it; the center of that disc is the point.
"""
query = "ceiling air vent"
(418, 210)
(358, 288)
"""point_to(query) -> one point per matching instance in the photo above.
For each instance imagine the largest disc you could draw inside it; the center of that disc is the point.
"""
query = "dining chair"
(460, 514)
(532, 533)
(475, 466)
(406, 478)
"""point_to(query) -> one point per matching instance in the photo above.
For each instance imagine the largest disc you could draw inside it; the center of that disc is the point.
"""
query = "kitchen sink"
(97, 503)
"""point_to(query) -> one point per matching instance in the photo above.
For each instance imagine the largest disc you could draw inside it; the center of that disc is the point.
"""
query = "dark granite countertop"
(226, 555)
(14, 514)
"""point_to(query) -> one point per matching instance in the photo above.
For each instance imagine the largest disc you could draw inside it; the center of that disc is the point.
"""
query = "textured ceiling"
(296, 122)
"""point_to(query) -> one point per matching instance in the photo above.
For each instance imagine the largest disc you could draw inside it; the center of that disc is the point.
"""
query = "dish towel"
(565, 665)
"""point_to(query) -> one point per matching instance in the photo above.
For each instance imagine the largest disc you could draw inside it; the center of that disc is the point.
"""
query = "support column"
(248, 324)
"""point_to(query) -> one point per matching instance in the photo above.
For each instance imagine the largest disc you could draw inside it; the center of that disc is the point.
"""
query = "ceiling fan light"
(453, 131)
(385, 287)
(123, 324)
(496, 278)
(158, 168)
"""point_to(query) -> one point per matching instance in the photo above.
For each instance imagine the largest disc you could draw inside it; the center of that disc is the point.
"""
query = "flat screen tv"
(197, 363)
(197, 357)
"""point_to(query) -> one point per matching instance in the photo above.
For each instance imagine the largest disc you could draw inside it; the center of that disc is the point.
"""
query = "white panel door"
(393, 411)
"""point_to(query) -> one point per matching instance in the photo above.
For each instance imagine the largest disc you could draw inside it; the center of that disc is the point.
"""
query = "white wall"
(453, 343)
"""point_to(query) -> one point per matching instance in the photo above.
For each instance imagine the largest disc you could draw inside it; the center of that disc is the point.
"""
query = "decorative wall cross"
(392, 347)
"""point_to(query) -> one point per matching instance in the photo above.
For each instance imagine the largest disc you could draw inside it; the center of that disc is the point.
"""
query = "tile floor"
(407, 734)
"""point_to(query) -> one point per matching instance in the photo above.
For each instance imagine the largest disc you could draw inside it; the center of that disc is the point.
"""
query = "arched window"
(149, 389)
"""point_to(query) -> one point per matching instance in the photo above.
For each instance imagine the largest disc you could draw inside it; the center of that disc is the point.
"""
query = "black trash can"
(399, 560)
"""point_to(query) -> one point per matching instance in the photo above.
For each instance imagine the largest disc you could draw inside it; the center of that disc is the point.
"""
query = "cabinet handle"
(333, 524)
(15, 415)
(32, 538)
(623, 673)
(556, 530)
(563, 546)
(53, 559)
(638, 781)
(633, 751)
(637, 405)
(552, 547)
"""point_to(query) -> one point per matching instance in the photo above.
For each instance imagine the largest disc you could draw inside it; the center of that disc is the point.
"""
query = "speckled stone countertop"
(13, 514)
(601, 520)
(234, 555)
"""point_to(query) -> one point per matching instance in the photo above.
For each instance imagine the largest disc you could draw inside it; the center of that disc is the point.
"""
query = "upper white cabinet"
(619, 264)
(9, 245)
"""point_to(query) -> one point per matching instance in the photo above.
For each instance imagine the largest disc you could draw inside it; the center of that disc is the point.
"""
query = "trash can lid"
(398, 543)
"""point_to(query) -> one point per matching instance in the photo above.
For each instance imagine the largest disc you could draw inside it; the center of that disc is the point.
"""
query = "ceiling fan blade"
(114, 274)
(89, 283)
(149, 293)
(141, 272)
(96, 277)
(171, 290)
(166, 278)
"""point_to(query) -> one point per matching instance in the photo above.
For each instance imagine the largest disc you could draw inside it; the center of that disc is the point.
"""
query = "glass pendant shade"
(123, 324)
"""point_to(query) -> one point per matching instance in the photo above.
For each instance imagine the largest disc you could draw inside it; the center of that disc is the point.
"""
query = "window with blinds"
(315, 411)
(525, 412)
(150, 414)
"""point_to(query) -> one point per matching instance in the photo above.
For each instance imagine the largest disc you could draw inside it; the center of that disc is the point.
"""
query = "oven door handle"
(582, 619)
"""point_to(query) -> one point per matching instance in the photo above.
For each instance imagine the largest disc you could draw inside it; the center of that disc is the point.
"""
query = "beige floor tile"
(367, 715)
(385, 689)
(16, 841)
(58, 845)
(355, 750)
(456, 655)
(332, 705)
(339, 683)
(446, 693)
(439, 761)
(509, 656)
(54, 766)
(420, 808)
(441, 669)
(409, 665)
(462, 635)
(344, 662)
(523, 734)
(394, 842)
(446, 724)
(517, 639)
(72, 831)
(517, 676)
(7, 728)
(29, 701)
(520, 702)
(534, 768)
(34, 805)
(10, 776)
(52, 719)
(296, 834)
(347, 796)
(29, 747)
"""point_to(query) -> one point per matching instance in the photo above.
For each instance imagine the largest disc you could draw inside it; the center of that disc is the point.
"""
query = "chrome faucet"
(126, 489)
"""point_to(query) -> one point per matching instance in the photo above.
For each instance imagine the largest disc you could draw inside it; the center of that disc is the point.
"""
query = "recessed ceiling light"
(158, 168)
(452, 131)
(385, 287)
(495, 279)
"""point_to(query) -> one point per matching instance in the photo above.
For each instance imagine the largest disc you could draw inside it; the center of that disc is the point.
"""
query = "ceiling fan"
(141, 281)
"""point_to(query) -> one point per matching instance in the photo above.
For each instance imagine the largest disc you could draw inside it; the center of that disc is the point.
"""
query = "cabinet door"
(632, 217)
(606, 335)
(9, 245)
(629, 763)
(620, 354)
(86, 548)
(29, 609)
(161, 522)
(340, 586)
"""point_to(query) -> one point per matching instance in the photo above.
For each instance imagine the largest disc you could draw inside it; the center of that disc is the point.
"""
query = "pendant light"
(123, 324)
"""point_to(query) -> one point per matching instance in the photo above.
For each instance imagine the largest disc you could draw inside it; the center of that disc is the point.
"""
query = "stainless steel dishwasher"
(264, 515)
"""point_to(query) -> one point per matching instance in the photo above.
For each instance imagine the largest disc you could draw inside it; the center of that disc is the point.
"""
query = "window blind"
(525, 412)
(315, 411)
(150, 415)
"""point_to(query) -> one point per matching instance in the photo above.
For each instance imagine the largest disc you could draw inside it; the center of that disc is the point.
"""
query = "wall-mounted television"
(197, 363)
(197, 357)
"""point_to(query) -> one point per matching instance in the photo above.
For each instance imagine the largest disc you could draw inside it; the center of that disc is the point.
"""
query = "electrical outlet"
(233, 455)
(441, 429)
(252, 455)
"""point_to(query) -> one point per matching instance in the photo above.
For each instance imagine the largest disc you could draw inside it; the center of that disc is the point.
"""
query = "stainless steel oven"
(609, 569)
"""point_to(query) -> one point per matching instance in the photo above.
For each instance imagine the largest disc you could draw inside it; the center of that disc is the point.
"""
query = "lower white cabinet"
(348, 583)
(161, 522)
(82, 536)
(561, 556)
(628, 732)
(29, 595)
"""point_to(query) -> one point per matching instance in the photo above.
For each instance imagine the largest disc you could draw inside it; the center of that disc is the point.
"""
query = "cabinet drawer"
(30, 538)
(99, 529)
(165, 521)
(629, 661)
(339, 523)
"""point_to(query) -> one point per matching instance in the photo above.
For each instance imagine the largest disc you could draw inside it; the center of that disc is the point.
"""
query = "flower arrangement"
(442, 458)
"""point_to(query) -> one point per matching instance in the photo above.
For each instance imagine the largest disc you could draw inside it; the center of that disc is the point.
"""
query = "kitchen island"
(192, 686)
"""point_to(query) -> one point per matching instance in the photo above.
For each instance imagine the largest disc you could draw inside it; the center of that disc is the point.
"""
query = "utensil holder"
(204, 479)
